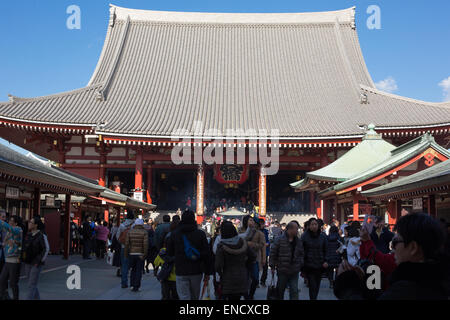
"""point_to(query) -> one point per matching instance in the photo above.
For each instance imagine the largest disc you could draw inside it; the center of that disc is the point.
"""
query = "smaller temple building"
(345, 187)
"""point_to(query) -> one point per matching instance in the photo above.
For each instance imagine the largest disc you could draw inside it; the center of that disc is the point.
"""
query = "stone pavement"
(99, 282)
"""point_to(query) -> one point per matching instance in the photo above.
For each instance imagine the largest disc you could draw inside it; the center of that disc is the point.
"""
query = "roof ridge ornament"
(353, 17)
(371, 134)
(112, 15)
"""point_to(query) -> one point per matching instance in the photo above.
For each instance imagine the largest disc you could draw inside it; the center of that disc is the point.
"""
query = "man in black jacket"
(33, 252)
(381, 236)
(286, 256)
(190, 265)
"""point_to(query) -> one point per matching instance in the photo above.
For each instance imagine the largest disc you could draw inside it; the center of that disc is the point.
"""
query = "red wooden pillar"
(149, 184)
(66, 226)
(102, 175)
(37, 202)
(355, 209)
(319, 209)
(138, 171)
(106, 214)
(262, 192)
(200, 193)
(431, 205)
(394, 210)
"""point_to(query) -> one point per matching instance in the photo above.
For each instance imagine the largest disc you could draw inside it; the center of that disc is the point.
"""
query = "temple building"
(294, 85)
(372, 165)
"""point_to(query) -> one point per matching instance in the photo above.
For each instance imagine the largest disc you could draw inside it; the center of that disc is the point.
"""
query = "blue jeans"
(283, 281)
(33, 277)
(124, 267)
(254, 278)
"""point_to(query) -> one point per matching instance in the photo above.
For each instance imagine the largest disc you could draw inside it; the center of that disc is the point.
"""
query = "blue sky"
(39, 55)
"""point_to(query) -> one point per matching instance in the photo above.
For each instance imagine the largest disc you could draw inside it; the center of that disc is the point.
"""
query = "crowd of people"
(239, 254)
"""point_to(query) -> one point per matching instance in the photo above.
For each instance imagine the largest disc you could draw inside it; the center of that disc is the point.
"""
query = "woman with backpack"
(232, 258)
(167, 275)
(32, 254)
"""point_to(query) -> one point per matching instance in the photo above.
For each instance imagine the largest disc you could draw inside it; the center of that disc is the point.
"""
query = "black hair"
(355, 224)
(176, 218)
(245, 222)
(166, 218)
(320, 222)
(424, 230)
(334, 229)
(352, 231)
(18, 220)
(105, 224)
(291, 224)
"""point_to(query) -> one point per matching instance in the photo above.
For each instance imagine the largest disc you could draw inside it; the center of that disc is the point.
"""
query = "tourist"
(420, 271)
(381, 236)
(136, 250)
(263, 229)
(256, 241)
(352, 246)
(152, 250)
(74, 237)
(287, 259)
(12, 251)
(86, 235)
(232, 257)
(315, 248)
(192, 257)
(333, 257)
(121, 236)
(33, 253)
(168, 285)
(2, 237)
(162, 229)
(283, 227)
(115, 247)
(102, 233)
(41, 228)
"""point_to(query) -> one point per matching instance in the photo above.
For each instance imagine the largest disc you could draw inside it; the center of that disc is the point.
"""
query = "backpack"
(123, 235)
(166, 269)
(190, 252)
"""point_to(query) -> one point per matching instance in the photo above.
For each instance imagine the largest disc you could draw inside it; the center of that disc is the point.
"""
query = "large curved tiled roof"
(300, 73)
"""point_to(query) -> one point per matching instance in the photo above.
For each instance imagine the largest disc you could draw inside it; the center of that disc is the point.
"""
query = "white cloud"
(388, 85)
(445, 84)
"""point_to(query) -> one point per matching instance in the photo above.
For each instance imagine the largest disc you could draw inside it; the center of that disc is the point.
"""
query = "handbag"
(272, 290)
(110, 257)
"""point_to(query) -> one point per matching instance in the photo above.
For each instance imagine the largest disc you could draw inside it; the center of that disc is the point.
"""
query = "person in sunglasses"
(416, 268)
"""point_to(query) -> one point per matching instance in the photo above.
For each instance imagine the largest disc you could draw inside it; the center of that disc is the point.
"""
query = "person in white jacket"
(353, 246)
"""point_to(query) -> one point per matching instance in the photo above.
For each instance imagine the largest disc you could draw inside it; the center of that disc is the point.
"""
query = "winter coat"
(258, 244)
(136, 242)
(102, 233)
(283, 258)
(315, 248)
(333, 258)
(34, 248)
(12, 242)
(197, 239)
(353, 252)
(128, 223)
(159, 261)
(231, 263)
(416, 281)
(382, 242)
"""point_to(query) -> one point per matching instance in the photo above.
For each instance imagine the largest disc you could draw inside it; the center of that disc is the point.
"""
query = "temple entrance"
(173, 189)
(224, 196)
(282, 198)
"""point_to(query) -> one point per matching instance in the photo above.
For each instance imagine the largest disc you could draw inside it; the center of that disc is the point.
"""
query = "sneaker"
(135, 289)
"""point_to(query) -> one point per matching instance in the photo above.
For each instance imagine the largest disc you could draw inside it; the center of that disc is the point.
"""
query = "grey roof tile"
(162, 71)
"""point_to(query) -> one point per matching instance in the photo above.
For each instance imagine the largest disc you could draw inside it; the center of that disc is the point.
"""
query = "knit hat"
(227, 230)
(139, 222)
(188, 217)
